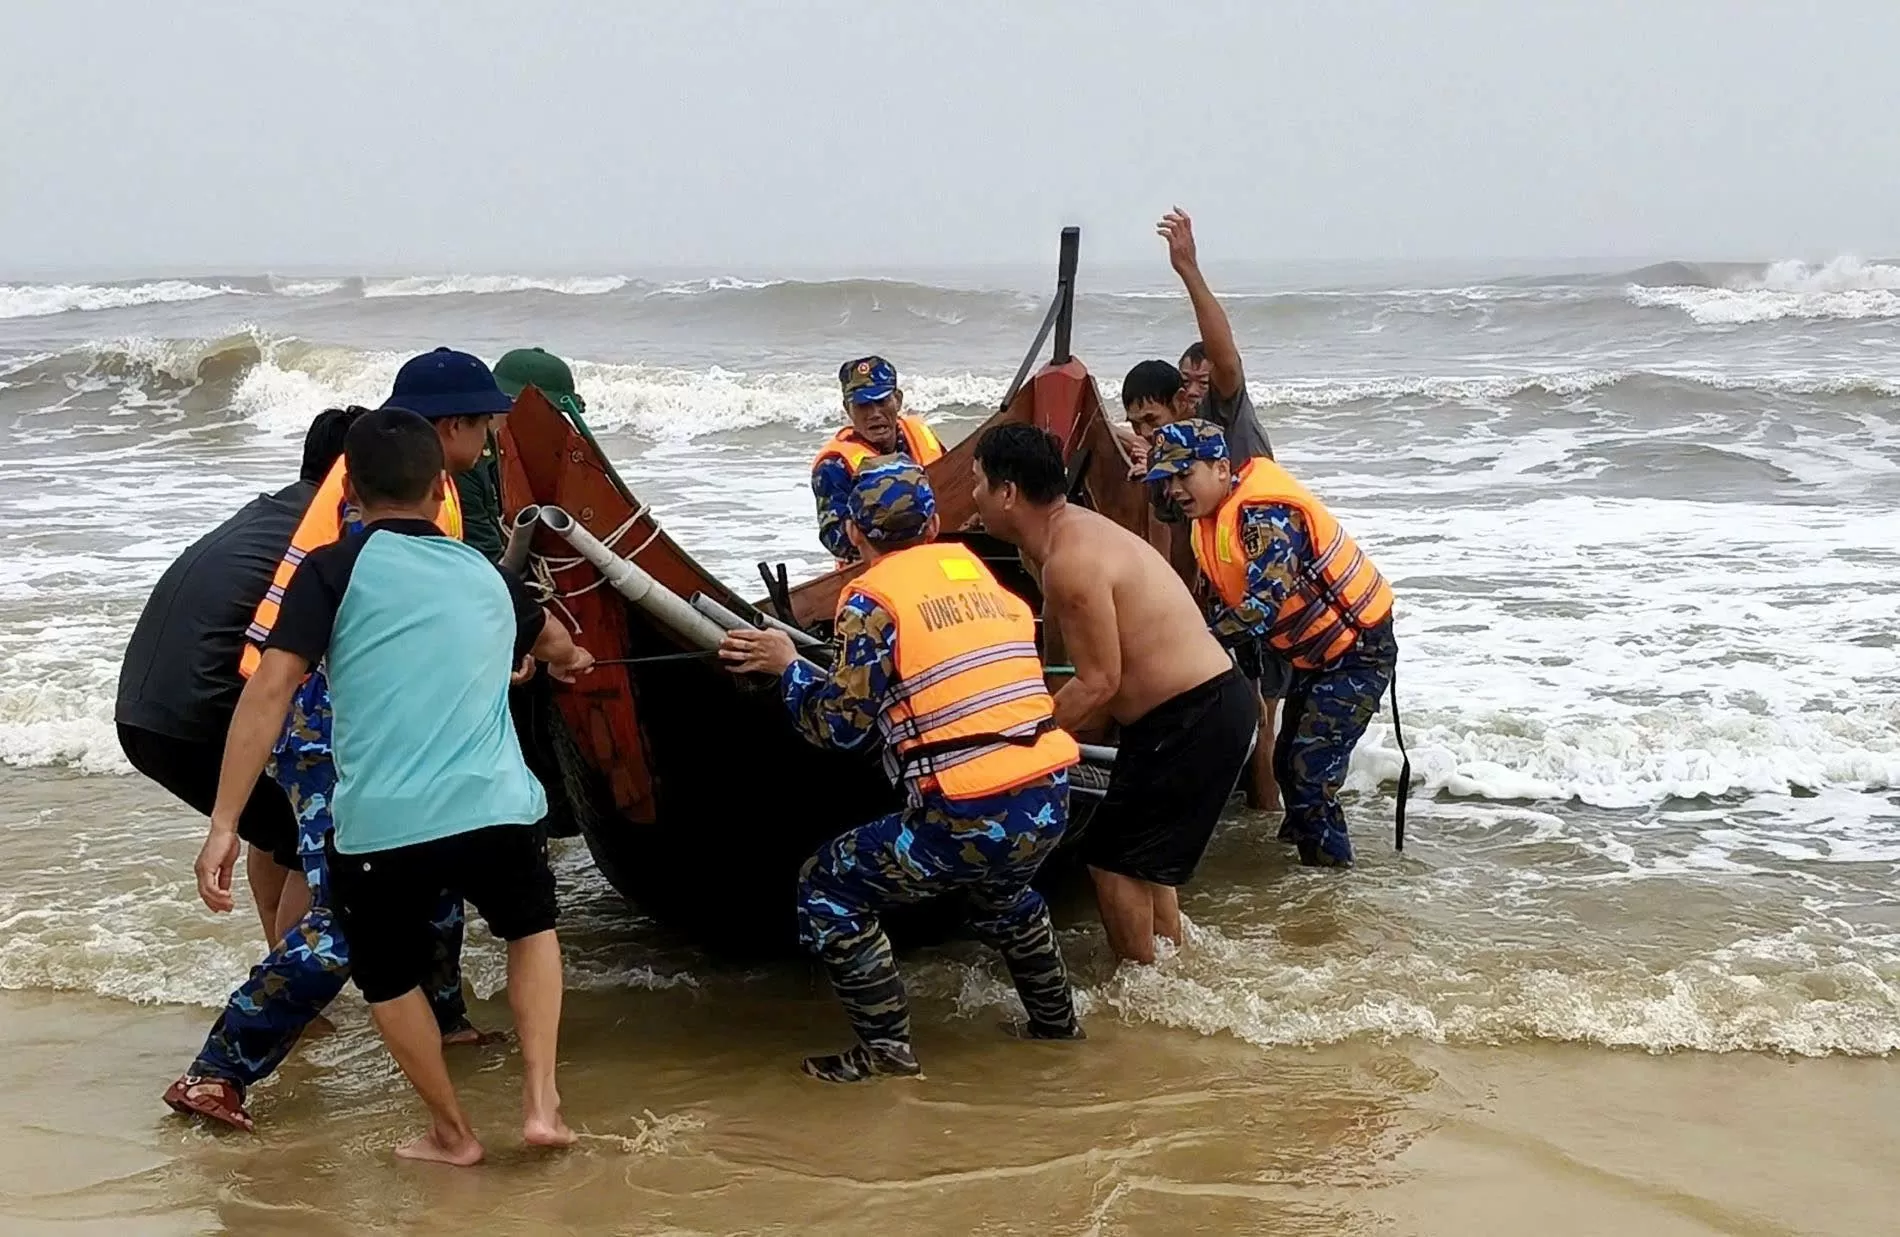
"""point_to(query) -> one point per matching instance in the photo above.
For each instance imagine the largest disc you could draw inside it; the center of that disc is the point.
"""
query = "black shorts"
(1276, 675)
(386, 900)
(1174, 771)
(189, 770)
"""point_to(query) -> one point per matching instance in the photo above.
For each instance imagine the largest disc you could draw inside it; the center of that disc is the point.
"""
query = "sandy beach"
(696, 1122)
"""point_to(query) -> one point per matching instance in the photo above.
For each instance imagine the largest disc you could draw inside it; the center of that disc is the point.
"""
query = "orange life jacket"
(1340, 593)
(322, 523)
(969, 714)
(920, 443)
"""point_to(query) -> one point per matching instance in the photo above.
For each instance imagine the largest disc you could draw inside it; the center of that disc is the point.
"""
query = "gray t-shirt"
(1246, 437)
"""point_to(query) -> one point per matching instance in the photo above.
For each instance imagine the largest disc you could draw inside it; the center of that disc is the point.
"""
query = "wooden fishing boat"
(696, 796)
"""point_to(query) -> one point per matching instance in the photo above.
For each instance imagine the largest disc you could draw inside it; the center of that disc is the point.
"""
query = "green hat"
(1175, 447)
(534, 367)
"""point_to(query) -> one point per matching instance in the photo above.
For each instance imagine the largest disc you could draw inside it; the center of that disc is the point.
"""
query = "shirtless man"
(1144, 658)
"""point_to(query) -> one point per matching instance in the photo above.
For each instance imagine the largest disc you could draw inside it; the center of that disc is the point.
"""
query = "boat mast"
(1065, 292)
(1060, 318)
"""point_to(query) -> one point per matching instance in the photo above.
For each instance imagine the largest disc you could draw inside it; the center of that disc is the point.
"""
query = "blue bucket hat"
(868, 380)
(446, 383)
(1174, 448)
(891, 499)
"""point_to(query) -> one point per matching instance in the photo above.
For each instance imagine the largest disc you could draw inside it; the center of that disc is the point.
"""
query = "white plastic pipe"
(732, 622)
(663, 604)
(520, 537)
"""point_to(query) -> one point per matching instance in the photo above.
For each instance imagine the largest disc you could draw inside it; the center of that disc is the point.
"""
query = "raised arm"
(1083, 605)
(1217, 333)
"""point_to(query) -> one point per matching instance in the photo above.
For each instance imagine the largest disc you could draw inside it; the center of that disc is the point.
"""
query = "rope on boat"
(546, 567)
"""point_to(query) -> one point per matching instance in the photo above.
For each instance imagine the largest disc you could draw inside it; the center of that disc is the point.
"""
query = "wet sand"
(698, 1122)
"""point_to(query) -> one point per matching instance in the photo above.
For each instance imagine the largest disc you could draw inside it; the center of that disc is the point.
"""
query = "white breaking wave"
(1494, 388)
(290, 385)
(1846, 287)
(307, 287)
(483, 285)
(45, 300)
(665, 403)
(292, 381)
(1778, 995)
(717, 283)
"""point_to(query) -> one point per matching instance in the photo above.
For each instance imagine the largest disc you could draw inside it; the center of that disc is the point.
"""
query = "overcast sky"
(195, 134)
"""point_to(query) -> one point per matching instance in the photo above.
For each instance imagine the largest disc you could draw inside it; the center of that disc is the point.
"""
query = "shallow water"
(1642, 526)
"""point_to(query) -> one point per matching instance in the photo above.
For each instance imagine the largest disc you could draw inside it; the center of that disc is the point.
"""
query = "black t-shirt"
(307, 617)
(180, 673)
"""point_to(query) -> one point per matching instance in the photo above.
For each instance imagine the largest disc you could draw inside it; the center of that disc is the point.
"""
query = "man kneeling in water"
(1142, 656)
(420, 635)
(939, 657)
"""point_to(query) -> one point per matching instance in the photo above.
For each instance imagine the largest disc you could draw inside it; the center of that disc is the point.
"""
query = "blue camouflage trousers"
(304, 973)
(1326, 713)
(986, 849)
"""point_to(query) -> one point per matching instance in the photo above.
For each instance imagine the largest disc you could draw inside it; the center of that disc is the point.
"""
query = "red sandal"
(216, 1098)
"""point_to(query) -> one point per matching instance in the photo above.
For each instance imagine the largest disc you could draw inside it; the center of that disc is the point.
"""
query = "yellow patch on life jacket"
(1224, 544)
(959, 569)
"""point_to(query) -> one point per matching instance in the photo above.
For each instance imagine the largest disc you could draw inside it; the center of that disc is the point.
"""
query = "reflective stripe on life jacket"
(969, 714)
(1340, 593)
(324, 521)
(920, 443)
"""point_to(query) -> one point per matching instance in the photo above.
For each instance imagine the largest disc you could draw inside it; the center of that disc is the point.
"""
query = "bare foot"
(547, 1131)
(437, 1147)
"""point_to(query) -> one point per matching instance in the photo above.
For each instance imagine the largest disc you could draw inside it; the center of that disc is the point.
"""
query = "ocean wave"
(1613, 760)
(1845, 287)
(1562, 383)
(663, 403)
(1265, 991)
(46, 300)
(302, 288)
(490, 285)
(717, 283)
(278, 384)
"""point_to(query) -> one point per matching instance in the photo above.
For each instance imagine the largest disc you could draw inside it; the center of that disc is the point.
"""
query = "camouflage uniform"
(988, 848)
(1326, 709)
(303, 974)
(832, 479)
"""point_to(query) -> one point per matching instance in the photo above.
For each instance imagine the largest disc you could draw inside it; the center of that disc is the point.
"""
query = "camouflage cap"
(867, 380)
(1174, 448)
(891, 499)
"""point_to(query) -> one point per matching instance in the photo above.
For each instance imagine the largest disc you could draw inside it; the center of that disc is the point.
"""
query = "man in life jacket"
(179, 681)
(879, 426)
(939, 660)
(1287, 571)
(311, 963)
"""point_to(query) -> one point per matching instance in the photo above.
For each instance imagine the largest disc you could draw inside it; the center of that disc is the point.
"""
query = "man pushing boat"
(874, 404)
(419, 636)
(1142, 656)
(937, 657)
(1289, 574)
(310, 963)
